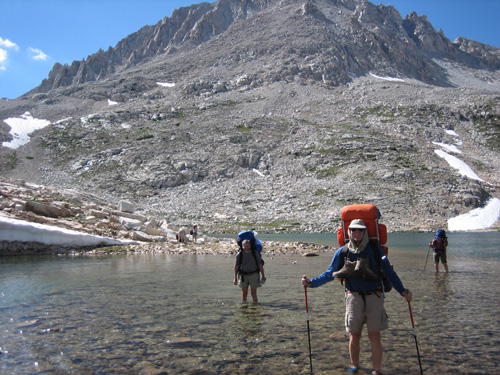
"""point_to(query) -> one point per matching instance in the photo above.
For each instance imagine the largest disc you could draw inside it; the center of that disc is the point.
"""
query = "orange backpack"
(377, 233)
(370, 214)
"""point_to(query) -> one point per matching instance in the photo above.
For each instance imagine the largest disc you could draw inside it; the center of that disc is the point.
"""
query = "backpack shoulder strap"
(240, 257)
(376, 251)
(384, 283)
(343, 256)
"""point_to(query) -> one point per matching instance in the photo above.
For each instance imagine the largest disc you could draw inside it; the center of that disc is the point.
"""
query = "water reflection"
(441, 285)
(248, 321)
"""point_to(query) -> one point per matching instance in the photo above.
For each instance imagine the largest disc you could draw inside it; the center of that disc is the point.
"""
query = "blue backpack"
(440, 240)
(255, 243)
(440, 233)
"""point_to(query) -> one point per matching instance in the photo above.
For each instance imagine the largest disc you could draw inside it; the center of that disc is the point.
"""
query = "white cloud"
(3, 55)
(8, 44)
(37, 54)
(3, 59)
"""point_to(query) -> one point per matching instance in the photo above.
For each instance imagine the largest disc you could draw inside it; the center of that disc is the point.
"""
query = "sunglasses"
(357, 229)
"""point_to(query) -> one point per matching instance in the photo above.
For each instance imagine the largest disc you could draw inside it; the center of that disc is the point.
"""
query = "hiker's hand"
(305, 282)
(263, 280)
(407, 294)
(235, 281)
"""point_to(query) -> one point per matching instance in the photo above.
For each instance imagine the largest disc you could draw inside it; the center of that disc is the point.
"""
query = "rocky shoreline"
(214, 247)
(86, 213)
(229, 247)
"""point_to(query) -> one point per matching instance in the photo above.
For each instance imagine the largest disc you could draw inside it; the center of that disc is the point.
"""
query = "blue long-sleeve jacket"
(355, 284)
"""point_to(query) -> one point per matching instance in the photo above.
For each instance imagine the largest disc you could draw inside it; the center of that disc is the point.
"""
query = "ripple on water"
(92, 316)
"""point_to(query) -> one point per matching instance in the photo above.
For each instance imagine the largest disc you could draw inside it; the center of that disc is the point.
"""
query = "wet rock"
(28, 323)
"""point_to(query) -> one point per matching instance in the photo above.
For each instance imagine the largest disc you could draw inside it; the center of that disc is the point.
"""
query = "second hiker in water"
(439, 244)
(248, 271)
(364, 293)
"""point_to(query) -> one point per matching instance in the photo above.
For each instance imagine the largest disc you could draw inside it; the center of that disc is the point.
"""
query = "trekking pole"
(416, 342)
(427, 257)
(308, 332)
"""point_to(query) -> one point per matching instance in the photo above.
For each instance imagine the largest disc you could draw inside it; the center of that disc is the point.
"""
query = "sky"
(36, 34)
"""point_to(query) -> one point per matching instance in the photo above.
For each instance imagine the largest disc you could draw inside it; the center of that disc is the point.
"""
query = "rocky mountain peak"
(375, 36)
(273, 115)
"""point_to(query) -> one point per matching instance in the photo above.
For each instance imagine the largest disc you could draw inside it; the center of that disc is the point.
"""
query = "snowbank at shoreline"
(13, 230)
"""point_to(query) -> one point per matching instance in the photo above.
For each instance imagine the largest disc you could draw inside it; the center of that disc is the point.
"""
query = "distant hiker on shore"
(248, 271)
(181, 236)
(194, 232)
(439, 244)
(364, 293)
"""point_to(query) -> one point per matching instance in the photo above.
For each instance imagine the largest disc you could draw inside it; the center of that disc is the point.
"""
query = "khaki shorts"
(252, 279)
(369, 310)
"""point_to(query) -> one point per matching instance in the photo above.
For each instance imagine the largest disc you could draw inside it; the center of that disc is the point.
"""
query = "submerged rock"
(184, 341)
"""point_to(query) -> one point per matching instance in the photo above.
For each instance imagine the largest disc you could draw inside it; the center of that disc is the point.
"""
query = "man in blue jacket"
(364, 293)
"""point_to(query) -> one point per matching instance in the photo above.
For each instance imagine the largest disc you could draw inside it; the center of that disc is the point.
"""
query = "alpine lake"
(181, 314)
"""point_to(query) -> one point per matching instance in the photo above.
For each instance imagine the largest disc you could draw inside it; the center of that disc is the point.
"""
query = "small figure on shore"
(194, 232)
(248, 271)
(364, 293)
(439, 244)
(181, 236)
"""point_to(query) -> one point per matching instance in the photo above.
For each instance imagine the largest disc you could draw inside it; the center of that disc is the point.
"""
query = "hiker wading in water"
(364, 292)
(246, 271)
(439, 244)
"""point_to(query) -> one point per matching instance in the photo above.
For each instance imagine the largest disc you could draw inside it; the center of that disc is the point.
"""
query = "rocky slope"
(271, 115)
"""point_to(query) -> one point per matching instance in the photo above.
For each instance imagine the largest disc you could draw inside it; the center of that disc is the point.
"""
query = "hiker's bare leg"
(436, 266)
(254, 294)
(354, 348)
(445, 265)
(376, 344)
(244, 294)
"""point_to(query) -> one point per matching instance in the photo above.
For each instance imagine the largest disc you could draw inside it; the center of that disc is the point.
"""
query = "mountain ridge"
(199, 23)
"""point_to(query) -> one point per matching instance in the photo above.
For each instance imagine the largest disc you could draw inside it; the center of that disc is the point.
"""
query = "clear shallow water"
(170, 314)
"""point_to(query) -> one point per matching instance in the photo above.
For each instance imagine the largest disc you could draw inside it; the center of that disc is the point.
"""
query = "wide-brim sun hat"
(357, 224)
